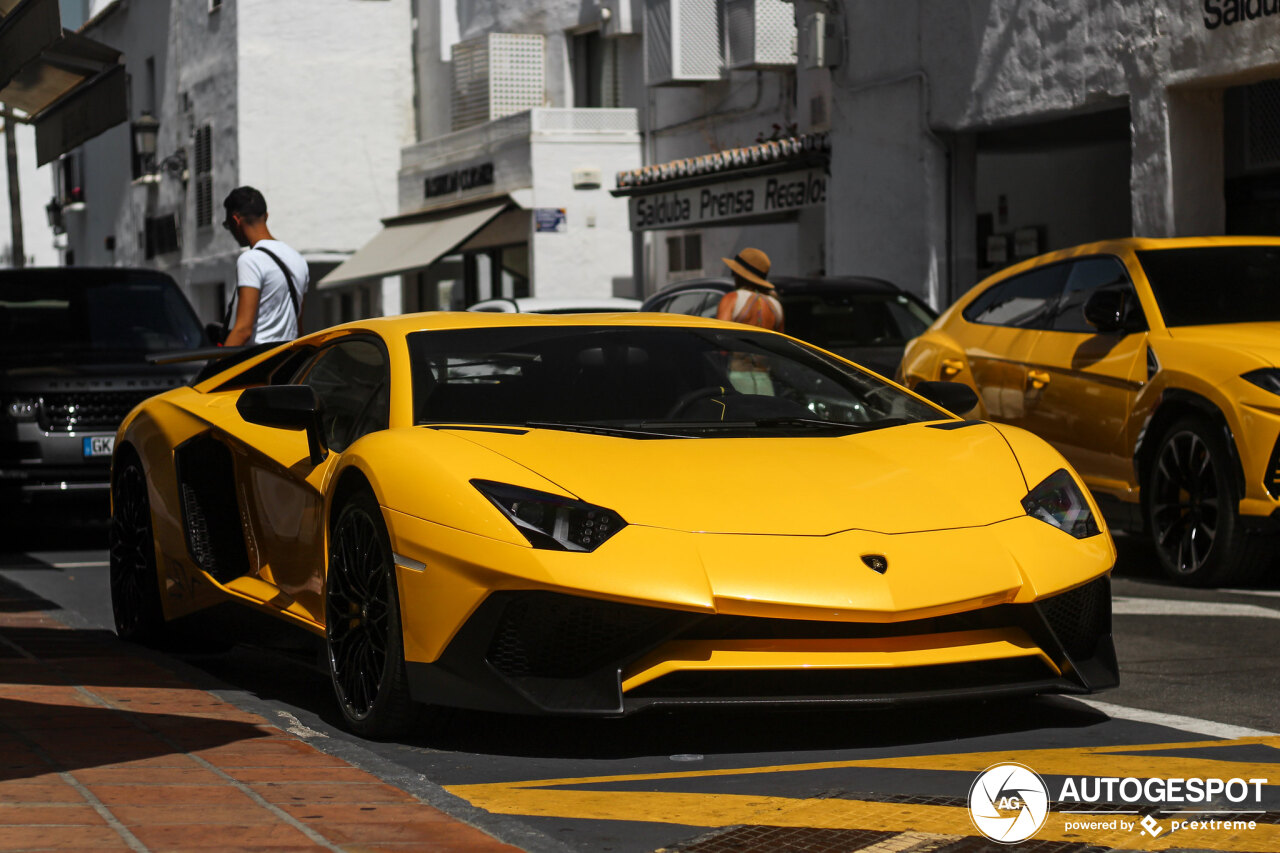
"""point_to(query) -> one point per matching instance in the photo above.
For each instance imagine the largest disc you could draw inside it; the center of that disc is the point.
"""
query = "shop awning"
(69, 86)
(407, 244)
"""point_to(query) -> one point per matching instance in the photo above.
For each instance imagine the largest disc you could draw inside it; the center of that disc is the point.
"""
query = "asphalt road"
(1199, 679)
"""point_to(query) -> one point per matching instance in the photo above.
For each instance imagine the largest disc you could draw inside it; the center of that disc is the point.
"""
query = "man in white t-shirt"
(271, 278)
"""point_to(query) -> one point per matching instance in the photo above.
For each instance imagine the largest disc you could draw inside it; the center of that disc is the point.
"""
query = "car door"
(1081, 384)
(1001, 327)
(285, 497)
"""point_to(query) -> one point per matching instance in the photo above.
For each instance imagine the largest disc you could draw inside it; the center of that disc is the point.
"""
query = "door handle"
(951, 366)
(1038, 378)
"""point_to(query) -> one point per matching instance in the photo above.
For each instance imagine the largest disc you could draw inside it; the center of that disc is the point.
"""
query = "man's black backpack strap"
(288, 277)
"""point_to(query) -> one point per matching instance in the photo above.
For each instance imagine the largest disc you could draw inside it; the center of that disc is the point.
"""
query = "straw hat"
(753, 265)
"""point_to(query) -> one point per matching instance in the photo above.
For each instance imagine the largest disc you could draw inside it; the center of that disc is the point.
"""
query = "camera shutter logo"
(1008, 802)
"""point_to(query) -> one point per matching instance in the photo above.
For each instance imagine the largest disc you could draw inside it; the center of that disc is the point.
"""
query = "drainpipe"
(15, 193)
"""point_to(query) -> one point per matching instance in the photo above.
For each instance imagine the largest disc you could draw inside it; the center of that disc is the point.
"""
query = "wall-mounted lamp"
(145, 132)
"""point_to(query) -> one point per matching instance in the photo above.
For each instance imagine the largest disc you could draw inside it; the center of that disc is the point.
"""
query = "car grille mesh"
(71, 411)
(544, 634)
(1081, 617)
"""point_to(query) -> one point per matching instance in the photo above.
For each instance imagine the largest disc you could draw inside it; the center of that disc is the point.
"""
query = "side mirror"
(952, 396)
(1104, 310)
(286, 407)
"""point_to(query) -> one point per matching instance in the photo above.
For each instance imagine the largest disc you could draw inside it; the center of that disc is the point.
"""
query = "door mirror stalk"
(286, 407)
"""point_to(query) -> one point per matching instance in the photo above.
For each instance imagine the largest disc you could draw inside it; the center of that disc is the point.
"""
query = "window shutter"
(204, 176)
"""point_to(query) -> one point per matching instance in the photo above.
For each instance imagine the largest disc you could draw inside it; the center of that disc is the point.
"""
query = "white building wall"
(916, 81)
(36, 186)
(325, 103)
(594, 251)
(200, 88)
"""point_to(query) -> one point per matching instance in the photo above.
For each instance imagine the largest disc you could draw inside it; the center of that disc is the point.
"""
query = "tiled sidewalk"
(101, 748)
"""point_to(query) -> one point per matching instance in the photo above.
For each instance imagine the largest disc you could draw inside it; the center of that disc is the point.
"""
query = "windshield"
(1215, 284)
(843, 321)
(647, 379)
(45, 314)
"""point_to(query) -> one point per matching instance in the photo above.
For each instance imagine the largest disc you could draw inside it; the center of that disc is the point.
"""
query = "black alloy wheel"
(362, 624)
(1190, 502)
(135, 587)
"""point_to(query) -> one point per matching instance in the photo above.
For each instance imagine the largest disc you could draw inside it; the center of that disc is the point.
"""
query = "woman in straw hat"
(752, 301)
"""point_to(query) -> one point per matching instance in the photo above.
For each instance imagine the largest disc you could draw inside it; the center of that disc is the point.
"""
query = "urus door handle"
(951, 366)
(1037, 379)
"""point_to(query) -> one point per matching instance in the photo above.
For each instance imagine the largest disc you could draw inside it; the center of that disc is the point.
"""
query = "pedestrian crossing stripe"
(676, 800)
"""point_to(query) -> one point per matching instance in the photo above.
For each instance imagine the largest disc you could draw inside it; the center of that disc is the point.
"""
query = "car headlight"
(1268, 379)
(1059, 501)
(20, 408)
(550, 521)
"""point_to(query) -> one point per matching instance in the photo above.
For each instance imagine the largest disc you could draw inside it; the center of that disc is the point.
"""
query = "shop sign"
(458, 180)
(743, 198)
(1224, 13)
(550, 219)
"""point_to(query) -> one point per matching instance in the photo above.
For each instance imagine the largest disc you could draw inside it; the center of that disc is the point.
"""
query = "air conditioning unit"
(820, 43)
(762, 34)
(682, 42)
(497, 75)
(621, 17)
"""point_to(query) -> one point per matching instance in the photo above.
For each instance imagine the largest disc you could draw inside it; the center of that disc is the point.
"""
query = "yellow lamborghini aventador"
(1154, 367)
(597, 514)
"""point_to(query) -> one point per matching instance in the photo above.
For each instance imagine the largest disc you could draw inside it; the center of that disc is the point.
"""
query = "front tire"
(1191, 509)
(135, 586)
(362, 625)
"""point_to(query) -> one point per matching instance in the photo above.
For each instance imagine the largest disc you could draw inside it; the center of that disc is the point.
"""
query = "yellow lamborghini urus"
(1154, 367)
(598, 514)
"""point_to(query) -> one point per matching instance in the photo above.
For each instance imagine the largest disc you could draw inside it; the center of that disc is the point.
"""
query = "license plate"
(99, 445)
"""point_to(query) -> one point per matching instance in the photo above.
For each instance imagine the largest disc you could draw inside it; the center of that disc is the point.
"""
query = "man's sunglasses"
(229, 224)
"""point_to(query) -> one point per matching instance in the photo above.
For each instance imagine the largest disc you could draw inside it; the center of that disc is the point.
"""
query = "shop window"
(204, 176)
(684, 253)
(69, 180)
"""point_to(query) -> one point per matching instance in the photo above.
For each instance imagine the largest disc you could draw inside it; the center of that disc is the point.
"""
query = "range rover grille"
(73, 411)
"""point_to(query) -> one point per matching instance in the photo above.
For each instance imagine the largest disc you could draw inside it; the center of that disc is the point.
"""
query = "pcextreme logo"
(1009, 803)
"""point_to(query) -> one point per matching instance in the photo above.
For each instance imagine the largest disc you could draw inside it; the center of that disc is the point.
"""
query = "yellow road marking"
(719, 810)
(565, 797)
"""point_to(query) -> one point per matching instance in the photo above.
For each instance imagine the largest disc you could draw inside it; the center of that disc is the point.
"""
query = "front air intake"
(1080, 618)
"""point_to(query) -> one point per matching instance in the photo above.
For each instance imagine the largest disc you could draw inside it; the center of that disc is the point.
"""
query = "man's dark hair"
(247, 202)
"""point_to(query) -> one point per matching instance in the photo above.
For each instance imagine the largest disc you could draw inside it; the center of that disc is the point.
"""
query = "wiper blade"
(789, 420)
(601, 429)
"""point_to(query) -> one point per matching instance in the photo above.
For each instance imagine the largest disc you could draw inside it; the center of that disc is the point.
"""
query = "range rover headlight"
(20, 408)
(1059, 501)
(551, 521)
(1268, 379)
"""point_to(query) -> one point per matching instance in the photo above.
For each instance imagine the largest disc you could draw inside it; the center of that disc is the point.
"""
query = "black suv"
(73, 342)
(866, 320)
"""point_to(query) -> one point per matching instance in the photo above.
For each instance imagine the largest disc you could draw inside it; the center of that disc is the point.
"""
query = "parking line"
(1173, 721)
(1126, 606)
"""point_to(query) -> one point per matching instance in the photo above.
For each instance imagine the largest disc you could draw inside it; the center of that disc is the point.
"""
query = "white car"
(556, 305)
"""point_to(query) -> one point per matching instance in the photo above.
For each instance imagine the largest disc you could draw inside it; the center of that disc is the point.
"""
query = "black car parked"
(866, 320)
(73, 342)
